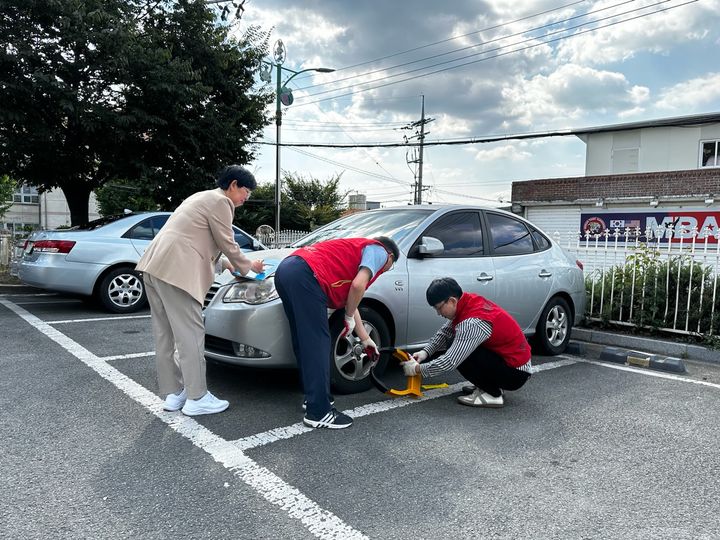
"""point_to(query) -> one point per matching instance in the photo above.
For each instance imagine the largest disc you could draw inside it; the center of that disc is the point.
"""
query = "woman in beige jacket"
(178, 268)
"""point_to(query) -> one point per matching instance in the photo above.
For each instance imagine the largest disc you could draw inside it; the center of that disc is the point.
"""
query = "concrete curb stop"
(642, 359)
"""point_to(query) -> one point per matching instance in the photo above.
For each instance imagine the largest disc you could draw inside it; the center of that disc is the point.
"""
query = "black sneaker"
(332, 403)
(332, 420)
(468, 389)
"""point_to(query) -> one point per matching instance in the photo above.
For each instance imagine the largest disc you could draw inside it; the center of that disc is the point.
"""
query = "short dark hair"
(441, 289)
(235, 172)
(389, 245)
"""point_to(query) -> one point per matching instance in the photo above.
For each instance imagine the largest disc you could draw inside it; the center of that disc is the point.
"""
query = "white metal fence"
(658, 278)
(284, 238)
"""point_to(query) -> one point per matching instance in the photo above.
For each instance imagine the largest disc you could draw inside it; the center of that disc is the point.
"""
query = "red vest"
(335, 264)
(506, 339)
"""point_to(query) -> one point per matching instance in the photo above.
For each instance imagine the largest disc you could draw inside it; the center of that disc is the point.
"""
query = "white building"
(636, 175)
(48, 210)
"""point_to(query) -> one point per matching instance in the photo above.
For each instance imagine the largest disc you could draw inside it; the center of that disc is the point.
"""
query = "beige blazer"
(184, 250)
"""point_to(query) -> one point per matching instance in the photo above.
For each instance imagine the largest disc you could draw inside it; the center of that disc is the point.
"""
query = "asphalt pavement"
(587, 449)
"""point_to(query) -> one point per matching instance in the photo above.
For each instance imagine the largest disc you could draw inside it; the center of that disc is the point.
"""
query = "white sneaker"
(481, 399)
(208, 404)
(175, 402)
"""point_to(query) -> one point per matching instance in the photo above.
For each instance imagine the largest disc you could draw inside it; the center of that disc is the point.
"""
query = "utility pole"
(420, 134)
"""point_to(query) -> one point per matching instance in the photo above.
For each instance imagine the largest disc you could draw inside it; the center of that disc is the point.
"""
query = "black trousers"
(305, 306)
(489, 372)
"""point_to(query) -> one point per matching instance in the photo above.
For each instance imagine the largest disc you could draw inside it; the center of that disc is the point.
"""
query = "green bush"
(652, 287)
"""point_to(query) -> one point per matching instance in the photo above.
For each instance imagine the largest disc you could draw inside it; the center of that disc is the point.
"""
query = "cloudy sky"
(486, 68)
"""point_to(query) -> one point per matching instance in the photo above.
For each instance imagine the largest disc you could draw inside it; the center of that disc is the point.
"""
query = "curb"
(653, 346)
(642, 359)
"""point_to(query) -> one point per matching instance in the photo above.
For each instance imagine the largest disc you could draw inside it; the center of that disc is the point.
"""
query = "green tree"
(118, 195)
(258, 210)
(7, 188)
(310, 202)
(92, 91)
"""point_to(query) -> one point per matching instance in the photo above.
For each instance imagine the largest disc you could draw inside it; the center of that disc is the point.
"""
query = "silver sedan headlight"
(252, 291)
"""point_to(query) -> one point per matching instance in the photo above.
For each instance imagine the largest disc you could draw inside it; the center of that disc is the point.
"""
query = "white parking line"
(124, 356)
(287, 432)
(320, 522)
(648, 372)
(32, 302)
(95, 319)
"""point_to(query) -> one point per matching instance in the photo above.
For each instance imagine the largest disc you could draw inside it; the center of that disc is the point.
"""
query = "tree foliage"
(118, 195)
(7, 189)
(305, 202)
(92, 91)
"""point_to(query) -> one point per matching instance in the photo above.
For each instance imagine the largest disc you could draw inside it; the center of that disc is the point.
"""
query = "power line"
(581, 32)
(500, 25)
(541, 27)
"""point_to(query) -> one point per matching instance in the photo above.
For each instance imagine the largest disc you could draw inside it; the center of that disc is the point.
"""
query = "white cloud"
(571, 92)
(657, 33)
(691, 94)
(509, 151)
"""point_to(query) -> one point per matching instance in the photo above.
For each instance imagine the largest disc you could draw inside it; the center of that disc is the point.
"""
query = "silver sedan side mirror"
(430, 245)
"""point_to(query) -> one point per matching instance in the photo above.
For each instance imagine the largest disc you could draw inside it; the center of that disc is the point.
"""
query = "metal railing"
(282, 239)
(661, 278)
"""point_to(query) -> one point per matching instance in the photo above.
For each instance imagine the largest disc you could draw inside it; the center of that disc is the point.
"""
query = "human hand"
(409, 367)
(370, 349)
(420, 356)
(257, 266)
(349, 326)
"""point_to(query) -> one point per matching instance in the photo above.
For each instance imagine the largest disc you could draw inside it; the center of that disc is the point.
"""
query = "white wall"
(50, 213)
(658, 149)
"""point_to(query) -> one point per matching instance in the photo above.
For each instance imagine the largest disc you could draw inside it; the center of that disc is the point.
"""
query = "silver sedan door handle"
(484, 277)
(544, 273)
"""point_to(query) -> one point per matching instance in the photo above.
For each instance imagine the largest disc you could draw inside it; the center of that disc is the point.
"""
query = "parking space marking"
(319, 522)
(95, 319)
(33, 302)
(648, 372)
(287, 432)
(125, 356)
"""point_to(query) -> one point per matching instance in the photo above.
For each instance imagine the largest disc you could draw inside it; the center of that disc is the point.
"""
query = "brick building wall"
(695, 183)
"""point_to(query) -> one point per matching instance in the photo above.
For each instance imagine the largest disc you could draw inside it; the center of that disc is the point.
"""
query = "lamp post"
(283, 95)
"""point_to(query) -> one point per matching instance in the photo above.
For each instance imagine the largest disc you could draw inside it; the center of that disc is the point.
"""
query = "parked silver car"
(488, 251)
(98, 259)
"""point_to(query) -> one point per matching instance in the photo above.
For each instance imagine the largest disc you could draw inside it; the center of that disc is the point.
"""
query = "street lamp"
(283, 95)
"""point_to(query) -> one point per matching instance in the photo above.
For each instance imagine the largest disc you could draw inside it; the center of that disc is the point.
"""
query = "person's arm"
(357, 290)
(440, 340)
(220, 222)
(469, 334)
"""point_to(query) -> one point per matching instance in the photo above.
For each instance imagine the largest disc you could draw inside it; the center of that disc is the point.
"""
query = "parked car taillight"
(580, 265)
(54, 246)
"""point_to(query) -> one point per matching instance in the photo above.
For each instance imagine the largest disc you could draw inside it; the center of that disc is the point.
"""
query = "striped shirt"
(468, 336)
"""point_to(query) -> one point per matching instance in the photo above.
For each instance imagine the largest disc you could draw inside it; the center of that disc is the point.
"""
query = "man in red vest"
(484, 343)
(331, 274)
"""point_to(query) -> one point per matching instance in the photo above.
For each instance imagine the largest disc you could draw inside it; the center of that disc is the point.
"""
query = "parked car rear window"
(509, 236)
(147, 228)
(460, 233)
(95, 223)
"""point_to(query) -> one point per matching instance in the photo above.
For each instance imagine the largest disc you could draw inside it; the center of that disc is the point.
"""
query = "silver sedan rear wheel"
(553, 332)
(122, 291)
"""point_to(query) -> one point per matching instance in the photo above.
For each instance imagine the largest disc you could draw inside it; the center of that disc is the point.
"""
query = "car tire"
(554, 327)
(349, 367)
(122, 291)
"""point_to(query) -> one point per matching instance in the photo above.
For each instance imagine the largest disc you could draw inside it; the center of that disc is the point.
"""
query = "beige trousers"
(179, 338)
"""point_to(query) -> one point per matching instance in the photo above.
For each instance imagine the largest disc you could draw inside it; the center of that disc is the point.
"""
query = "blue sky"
(658, 65)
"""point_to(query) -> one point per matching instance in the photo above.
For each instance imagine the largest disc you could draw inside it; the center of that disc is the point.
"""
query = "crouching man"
(484, 343)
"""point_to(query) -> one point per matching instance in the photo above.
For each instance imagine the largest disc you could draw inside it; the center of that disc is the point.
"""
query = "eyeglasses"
(440, 306)
(248, 191)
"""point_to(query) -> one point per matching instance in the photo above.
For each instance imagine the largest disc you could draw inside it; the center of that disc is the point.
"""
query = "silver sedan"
(98, 259)
(489, 252)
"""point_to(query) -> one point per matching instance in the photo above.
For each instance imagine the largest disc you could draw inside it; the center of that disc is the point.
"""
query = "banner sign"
(675, 224)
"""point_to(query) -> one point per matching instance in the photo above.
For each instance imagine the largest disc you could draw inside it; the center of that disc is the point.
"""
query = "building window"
(709, 154)
(26, 194)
